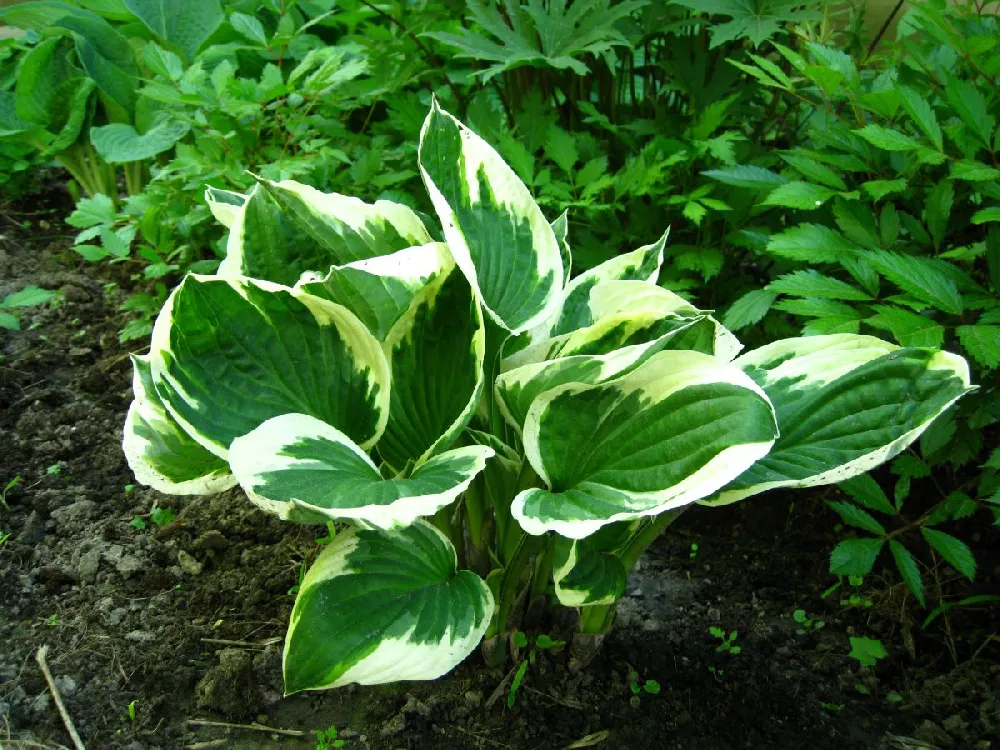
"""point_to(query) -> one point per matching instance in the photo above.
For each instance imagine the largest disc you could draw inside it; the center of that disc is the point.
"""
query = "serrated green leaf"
(919, 277)
(748, 309)
(887, 140)
(747, 176)
(878, 189)
(938, 209)
(29, 296)
(985, 215)
(920, 110)
(909, 328)
(953, 550)
(94, 211)
(813, 284)
(908, 569)
(908, 465)
(803, 195)
(811, 243)
(818, 308)
(249, 27)
(852, 515)
(815, 171)
(866, 491)
(982, 342)
(119, 143)
(973, 171)
(855, 557)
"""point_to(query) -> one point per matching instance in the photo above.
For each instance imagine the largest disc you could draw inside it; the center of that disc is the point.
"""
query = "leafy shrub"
(883, 219)
(490, 429)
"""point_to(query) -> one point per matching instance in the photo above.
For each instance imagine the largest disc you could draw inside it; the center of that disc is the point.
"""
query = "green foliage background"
(814, 181)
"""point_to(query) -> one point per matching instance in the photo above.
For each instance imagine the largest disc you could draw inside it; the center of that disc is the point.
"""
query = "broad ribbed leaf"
(627, 313)
(298, 462)
(119, 143)
(495, 230)
(286, 229)
(574, 307)
(671, 432)
(380, 290)
(586, 572)
(382, 606)
(229, 354)
(845, 404)
(182, 24)
(159, 452)
(517, 389)
(437, 353)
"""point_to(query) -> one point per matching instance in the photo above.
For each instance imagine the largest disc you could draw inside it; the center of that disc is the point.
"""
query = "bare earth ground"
(186, 619)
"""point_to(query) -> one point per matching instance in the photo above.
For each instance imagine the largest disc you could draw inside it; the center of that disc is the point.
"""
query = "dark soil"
(184, 621)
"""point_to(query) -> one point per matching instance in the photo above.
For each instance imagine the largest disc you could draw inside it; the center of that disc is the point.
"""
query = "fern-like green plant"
(756, 20)
(540, 33)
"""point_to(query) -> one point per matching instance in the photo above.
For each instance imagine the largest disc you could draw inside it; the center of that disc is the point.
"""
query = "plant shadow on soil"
(186, 619)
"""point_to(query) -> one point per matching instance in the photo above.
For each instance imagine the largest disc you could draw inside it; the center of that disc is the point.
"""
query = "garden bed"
(151, 627)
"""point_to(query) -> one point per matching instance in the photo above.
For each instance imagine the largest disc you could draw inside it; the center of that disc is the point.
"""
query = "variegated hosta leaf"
(845, 404)
(436, 351)
(159, 452)
(381, 606)
(518, 388)
(560, 227)
(230, 353)
(586, 572)
(626, 313)
(573, 311)
(495, 230)
(286, 229)
(708, 337)
(297, 461)
(673, 431)
(380, 290)
(224, 204)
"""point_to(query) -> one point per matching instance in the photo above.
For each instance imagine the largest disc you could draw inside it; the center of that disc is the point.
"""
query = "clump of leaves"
(429, 394)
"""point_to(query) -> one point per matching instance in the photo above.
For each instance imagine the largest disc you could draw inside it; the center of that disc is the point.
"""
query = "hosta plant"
(490, 434)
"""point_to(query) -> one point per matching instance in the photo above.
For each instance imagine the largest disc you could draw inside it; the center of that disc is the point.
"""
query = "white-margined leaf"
(560, 227)
(286, 229)
(381, 606)
(587, 572)
(224, 204)
(845, 404)
(159, 452)
(437, 352)
(495, 230)
(297, 462)
(380, 290)
(673, 431)
(230, 353)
